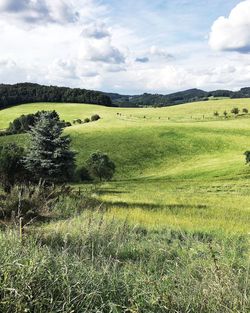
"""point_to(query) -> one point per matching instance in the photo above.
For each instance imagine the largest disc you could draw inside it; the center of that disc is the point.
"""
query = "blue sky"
(129, 47)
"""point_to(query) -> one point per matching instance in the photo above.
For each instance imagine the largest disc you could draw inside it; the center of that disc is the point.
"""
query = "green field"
(178, 166)
(180, 170)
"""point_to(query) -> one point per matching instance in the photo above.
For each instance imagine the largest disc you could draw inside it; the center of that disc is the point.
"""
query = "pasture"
(172, 232)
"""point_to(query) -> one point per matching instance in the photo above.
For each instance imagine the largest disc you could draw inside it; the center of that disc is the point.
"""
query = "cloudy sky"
(126, 46)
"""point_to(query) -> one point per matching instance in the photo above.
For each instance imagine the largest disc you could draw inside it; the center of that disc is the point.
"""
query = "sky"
(126, 46)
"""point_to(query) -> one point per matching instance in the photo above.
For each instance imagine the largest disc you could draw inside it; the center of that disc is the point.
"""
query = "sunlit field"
(178, 166)
(171, 230)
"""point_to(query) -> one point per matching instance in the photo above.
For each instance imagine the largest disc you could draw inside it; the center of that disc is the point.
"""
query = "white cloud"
(102, 51)
(95, 30)
(232, 33)
(39, 11)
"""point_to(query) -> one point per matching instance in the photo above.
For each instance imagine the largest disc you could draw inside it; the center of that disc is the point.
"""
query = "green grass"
(190, 169)
(172, 233)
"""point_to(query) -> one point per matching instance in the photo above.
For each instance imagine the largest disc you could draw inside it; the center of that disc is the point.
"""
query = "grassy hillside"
(181, 160)
(175, 235)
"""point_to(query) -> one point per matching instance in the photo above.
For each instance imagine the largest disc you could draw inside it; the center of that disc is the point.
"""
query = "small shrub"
(86, 120)
(247, 155)
(95, 117)
(77, 121)
(235, 111)
(216, 113)
(225, 113)
(245, 110)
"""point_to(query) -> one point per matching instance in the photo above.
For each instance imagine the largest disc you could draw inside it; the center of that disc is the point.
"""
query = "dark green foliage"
(235, 111)
(77, 121)
(191, 95)
(86, 120)
(28, 201)
(23, 123)
(216, 113)
(49, 156)
(247, 155)
(245, 110)
(100, 166)
(95, 117)
(225, 113)
(11, 167)
(82, 174)
(27, 92)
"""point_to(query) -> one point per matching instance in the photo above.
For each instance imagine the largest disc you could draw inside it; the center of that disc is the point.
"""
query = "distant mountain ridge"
(190, 95)
(28, 92)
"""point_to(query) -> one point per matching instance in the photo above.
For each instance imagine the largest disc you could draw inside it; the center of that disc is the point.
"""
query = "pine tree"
(49, 156)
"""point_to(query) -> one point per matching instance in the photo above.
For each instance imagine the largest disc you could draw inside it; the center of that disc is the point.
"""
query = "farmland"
(180, 195)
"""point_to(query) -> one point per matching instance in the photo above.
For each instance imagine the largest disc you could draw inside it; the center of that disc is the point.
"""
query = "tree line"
(191, 95)
(27, 93)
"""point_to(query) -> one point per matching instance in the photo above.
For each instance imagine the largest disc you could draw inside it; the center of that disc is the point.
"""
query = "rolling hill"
(181, 159)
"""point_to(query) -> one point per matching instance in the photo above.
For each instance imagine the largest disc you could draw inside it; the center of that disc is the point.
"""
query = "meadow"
(172, 231)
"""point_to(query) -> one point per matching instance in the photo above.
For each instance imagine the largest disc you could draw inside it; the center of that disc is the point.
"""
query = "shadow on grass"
(151, 206)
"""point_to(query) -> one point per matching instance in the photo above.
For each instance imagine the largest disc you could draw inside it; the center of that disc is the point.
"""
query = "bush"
(216, 113)
(235, 111)
(247, 155)
(225, 113)
(12, 169)
(95, 117)
(245, 110)
(77, 121)
(100, 166)
(82, 174)
(86, 120)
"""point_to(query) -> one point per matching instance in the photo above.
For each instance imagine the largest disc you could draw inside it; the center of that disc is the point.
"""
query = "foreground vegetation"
(93, 264)
(169, 234)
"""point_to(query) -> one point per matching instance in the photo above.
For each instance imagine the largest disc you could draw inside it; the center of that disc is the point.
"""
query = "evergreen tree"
(49, 156)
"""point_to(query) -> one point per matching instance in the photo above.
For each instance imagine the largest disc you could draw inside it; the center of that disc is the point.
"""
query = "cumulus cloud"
(95, 30)
(11, 72)
(39, 11)
(142, 60)
(232, 33)
(160, 52)
(100, 51)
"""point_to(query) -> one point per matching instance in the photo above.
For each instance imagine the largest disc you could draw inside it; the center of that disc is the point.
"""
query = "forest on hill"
(28, 92)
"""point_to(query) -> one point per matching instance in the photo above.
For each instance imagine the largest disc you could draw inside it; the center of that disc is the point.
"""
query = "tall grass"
(91, 264)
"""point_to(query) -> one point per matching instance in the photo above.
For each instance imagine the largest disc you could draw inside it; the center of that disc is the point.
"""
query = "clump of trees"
(48, 157)
(24, 123)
